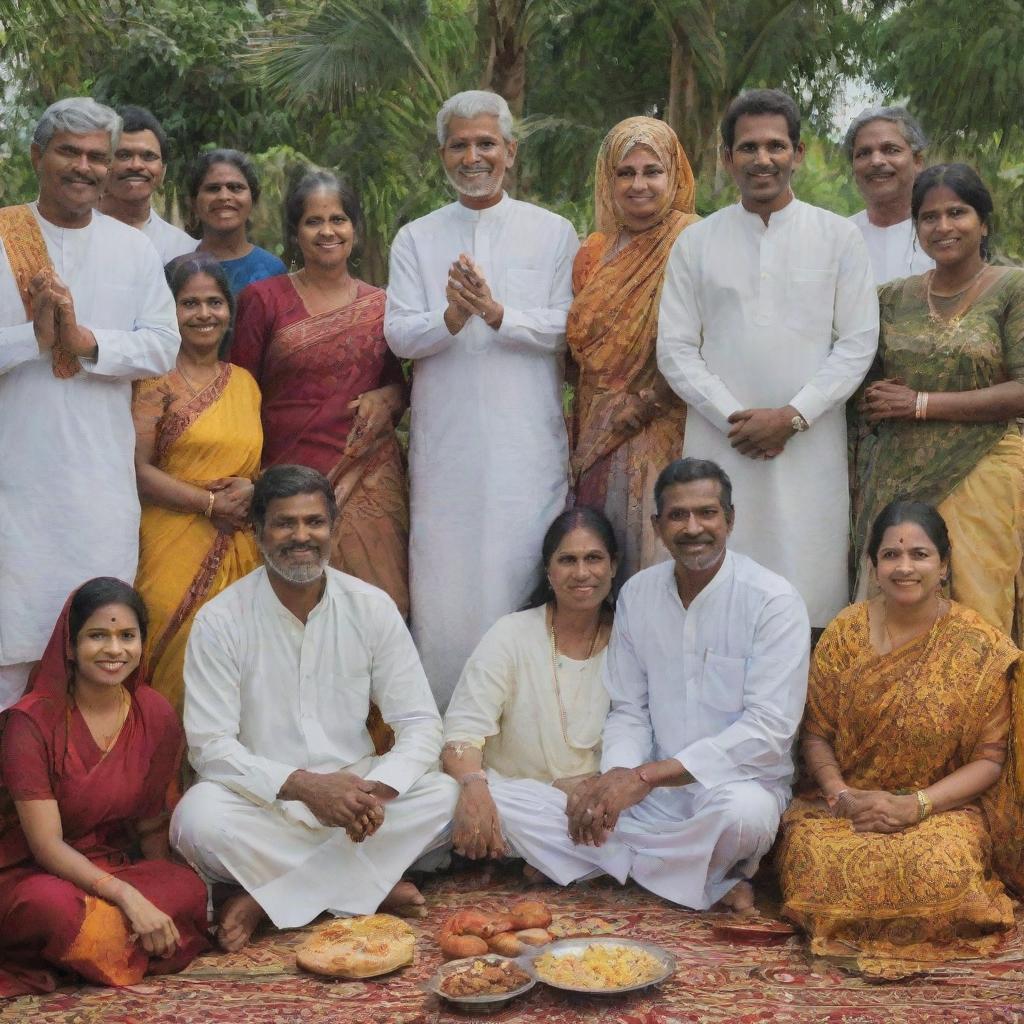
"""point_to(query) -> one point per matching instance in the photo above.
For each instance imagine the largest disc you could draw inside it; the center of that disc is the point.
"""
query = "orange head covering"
(658, 137)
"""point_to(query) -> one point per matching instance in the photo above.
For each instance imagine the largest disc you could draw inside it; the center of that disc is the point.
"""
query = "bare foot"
(531, 876)
(239, 917)
(739, 899)
(405, 900)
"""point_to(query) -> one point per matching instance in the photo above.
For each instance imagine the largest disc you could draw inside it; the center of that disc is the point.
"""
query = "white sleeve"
(485, 688)
(681, 338)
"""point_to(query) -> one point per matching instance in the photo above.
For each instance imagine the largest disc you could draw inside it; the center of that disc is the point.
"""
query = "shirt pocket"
(722, 685)
(526, 289)
(810, 301)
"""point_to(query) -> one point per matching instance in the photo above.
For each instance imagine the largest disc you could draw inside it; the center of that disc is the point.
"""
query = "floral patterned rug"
(716, 982)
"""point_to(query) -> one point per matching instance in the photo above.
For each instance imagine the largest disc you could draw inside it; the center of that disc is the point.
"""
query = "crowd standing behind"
(628, 703)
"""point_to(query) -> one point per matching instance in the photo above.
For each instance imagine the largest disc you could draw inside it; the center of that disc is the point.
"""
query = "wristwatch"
(799, 424)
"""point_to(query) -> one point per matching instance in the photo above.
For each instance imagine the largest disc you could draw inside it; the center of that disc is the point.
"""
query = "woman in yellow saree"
(889, 856)
(198, 445)
(627, 422)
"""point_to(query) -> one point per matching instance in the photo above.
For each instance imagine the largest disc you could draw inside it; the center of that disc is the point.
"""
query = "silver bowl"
(484, 1003)
(577, 946)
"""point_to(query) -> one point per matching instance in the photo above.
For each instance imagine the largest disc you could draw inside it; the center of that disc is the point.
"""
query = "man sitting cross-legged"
(292, 804)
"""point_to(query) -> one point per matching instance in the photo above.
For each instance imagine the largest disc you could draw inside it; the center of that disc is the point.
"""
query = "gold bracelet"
(102, 880)
(925, 805)
(209, 504)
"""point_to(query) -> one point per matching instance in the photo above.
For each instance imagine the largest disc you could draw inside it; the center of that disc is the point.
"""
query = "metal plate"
(483, 1003)
(577, 946)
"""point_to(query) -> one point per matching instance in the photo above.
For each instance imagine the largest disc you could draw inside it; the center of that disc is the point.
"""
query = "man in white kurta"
(487, 443)
(69, 507)
(768, 324)
(272, 702)
(885, 146)
(707, 675)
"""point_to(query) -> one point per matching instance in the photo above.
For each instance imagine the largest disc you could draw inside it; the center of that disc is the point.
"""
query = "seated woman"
(198, 440)
(224, 190)
(908, 710)
(89, 760)
(524, 725)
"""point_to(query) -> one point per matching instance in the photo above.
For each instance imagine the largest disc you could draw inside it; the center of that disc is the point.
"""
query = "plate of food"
(483, 984)
(358, 947)
(753, 931)
(602, 965)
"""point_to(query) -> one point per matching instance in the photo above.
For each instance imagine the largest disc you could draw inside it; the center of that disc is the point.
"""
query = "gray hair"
(78, 115)
(473, 103)
(908, 125)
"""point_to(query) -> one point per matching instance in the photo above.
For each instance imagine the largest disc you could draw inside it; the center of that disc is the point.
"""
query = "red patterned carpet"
(717, 983)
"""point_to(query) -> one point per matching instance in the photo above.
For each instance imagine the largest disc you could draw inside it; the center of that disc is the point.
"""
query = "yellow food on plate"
(601, 965)
(358, 947)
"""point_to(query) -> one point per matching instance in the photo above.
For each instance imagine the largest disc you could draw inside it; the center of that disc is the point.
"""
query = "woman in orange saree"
(198, 443)
(332, 389)
(888, 857)
(89, 760)
(628, 424)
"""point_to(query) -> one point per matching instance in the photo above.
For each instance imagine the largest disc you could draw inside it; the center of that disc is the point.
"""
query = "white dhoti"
(13, 680)
(296, 872)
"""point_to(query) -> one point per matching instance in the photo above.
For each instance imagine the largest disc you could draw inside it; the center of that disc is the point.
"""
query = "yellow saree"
(899, 722)
(184, 560)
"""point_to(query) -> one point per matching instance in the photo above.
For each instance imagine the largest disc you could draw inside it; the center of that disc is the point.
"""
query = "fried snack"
(358, 947)
(600, 966)
(482, 978)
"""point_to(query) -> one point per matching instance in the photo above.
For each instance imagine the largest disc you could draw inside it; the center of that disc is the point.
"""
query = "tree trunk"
(506, 64)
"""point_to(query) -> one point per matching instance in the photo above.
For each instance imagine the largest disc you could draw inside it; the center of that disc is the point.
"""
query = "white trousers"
(688, 845)
(13, 680)
(294, 872)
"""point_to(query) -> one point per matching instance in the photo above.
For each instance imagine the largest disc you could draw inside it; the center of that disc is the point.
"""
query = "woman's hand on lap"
(476, 831)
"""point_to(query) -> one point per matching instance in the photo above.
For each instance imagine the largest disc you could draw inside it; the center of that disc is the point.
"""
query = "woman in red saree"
(89, 760)
(332, 390)
(627, 422)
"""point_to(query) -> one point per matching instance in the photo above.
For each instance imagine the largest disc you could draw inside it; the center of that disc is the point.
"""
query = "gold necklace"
(953, 320)
(554, 669)
(885, 622)
(185, 377)
(106, 745)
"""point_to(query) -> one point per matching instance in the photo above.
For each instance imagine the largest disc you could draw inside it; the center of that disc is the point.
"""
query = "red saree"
(48, 753)
(310, 368)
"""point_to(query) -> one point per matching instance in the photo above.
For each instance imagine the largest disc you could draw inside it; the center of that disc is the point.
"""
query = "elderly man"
(478, 296)
(768, 324)
(84, 310)
(136, 172)
(707, 674)
(885, 147)
(292, 803)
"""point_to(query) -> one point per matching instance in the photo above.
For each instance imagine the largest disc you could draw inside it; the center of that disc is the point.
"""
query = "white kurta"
(488, 451)
(168, 240)
(720, 686)
(266, 695)
(894, 251)
(756, 316)
(69, 509)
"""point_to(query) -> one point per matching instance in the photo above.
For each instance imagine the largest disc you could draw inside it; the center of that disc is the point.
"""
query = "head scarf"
(657, 136)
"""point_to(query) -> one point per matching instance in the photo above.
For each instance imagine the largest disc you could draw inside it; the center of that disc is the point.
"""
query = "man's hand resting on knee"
(340, 799)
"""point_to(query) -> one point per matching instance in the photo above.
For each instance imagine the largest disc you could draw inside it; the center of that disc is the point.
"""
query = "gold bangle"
(209, 504)
(102, 880)
(924, 804)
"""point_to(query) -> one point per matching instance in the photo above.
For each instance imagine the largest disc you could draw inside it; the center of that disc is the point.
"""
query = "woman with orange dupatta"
(332, 390)
(197, 452)
(89, 759)
(627, 423)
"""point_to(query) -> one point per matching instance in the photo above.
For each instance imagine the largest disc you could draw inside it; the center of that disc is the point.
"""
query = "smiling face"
(475, 157)
(884, 166)
(639, 188)
(325, 235)
(137, 169)
(909, 569)
(71, 171)
(949, 230)
(762, 161)
(203, 314)
(108, 647)
(296, 537)
(580, 571)
(223, 202)
(693, 525)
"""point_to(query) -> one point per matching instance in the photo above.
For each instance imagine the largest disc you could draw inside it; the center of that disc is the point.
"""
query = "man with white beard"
(478, 296)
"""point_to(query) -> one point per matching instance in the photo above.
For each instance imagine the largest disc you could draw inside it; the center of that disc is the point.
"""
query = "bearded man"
(478, 297)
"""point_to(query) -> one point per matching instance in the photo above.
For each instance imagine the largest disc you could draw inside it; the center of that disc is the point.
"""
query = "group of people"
(622, 691)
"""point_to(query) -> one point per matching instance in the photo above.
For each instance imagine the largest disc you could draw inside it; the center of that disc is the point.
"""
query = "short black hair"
(180, 270)
(202, 164)
(286, 481)
(139, 119)
(965, 182)
(686, 471)
(98, 593)
(761, 101)
(305, 184)
(903, 511)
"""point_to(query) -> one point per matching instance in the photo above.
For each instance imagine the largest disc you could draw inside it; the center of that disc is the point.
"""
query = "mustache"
(299, 547)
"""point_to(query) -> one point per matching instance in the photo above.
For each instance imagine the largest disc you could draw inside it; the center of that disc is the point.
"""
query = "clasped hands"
(232, 498)
(374, 413)
(341, 799)
(469, 294)
(761, 433)
(888, 399)
(53, 317)
(594, 806)
(875, 810)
